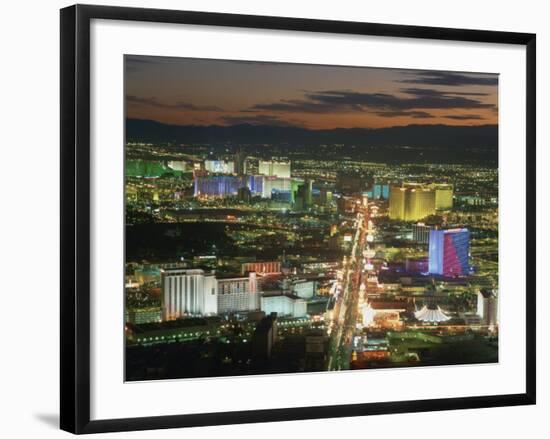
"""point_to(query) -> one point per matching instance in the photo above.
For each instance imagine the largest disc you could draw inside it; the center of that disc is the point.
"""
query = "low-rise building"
(283, 304)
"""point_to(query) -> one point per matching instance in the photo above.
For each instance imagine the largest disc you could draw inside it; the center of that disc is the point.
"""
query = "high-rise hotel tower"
(273, 168)
(449, 252)
(411, 202)
(188, 292)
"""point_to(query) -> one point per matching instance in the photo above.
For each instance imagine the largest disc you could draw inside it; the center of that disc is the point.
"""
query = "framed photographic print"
(267, 218)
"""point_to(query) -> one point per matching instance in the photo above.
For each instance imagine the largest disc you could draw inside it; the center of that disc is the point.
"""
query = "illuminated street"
(343, 324)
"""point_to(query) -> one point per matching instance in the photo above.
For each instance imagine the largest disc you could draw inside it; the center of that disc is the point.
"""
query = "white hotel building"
(188, 292)
(274, 168)
(287, 305)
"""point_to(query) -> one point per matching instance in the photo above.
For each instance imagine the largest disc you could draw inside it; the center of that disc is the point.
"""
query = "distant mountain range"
(441, 137)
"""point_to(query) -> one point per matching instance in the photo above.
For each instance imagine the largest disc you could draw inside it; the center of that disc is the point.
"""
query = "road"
(346, 308)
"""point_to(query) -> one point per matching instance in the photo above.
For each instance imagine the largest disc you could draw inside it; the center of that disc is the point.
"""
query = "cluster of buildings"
(273, 180)
(448, 250)
(194, 292)
(414, 201)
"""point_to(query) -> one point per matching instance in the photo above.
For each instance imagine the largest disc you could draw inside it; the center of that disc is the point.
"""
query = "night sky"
(187, 91)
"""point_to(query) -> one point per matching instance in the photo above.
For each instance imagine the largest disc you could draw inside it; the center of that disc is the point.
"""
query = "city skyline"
(191, 91)
(275, 242)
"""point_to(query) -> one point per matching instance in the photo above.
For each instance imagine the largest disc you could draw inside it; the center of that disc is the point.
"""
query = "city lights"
(283, 242)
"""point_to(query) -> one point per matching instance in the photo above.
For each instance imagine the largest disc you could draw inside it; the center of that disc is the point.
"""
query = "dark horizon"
(214, 125)
(437, 143)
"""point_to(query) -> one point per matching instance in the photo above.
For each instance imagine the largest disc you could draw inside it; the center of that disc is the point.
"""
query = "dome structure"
(431, 314)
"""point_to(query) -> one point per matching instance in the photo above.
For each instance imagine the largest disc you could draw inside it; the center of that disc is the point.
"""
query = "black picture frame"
(75, 217)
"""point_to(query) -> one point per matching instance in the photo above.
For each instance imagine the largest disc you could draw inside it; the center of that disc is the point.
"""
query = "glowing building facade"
(449, 252)
(279, 184)
(304, 288)
(284, 305)
(274, 169)
(219, 166)
(379, 191)
(397, 202)
(229, 185)
(187, 292)
(238, 294)
(269, 267)
(411, 202)
(419, 203)
(217, 185)
(443, 196)
(255, 183)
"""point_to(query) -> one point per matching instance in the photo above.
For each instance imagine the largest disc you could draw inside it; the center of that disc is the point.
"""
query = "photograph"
(288, 218)
(271, 220)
